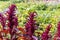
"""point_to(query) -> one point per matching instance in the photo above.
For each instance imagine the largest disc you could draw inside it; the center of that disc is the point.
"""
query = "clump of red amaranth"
(31, 24)
(12, 20)
(45, 35)
(2, 20)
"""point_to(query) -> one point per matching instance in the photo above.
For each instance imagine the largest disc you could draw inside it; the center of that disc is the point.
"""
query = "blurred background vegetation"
(47, 12)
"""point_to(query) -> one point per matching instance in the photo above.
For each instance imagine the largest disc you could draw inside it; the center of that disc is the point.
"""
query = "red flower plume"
(2, 20)
(45, 34)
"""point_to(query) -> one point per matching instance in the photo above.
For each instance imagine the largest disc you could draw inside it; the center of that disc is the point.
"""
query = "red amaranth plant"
(3, 23)
(58, 29)
(2, 20)
(31, 24)
(57, 34)
(45, 34)
(12, 20)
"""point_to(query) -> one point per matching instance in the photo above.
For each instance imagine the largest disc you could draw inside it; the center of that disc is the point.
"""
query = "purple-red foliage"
(31, 24)
(58, 29)
(13, 21)
(45, 34)
(2, 20)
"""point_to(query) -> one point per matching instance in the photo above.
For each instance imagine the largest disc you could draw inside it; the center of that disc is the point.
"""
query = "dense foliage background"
(46, 13)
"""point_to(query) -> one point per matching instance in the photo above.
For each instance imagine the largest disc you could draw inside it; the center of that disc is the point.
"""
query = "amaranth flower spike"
(13, 21)
(2, 20)
(45, 34)
(31, 24)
